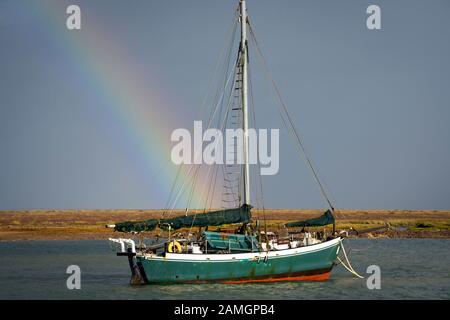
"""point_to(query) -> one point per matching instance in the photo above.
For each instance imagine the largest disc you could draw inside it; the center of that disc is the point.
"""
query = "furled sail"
(325, 219)
(136, 226)
(215, 218)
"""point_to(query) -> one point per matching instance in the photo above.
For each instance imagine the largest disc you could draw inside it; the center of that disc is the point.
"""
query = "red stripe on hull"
(316, 275)
(323, 276)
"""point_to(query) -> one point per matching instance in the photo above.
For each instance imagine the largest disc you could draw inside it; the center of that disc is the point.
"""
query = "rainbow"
(134, 99)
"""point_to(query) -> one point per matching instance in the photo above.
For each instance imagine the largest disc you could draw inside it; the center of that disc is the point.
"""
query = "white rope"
(349, 267)
(351, 271)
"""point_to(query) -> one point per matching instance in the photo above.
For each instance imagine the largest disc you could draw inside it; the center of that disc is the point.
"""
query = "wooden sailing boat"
(250, 255)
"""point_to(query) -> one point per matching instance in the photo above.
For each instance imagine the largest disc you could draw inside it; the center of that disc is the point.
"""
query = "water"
(410, 269)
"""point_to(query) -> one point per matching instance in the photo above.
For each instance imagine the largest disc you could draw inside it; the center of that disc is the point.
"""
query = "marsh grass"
(90, 224)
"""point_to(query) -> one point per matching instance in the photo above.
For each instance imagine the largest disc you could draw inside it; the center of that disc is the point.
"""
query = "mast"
(244, 62)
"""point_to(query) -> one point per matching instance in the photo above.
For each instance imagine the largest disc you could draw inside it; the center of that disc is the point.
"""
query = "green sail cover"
(325, 219)
(215, 218)
(136, 226)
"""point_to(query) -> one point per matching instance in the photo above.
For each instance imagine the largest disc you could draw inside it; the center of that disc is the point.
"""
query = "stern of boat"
(127, 248)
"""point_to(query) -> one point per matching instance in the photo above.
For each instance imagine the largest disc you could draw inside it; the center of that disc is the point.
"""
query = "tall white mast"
(244, 62)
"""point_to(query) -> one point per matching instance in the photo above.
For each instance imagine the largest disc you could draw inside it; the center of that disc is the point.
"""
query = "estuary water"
(410, 269)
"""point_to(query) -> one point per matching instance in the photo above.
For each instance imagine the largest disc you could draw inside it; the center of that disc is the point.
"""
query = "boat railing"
(125, 244)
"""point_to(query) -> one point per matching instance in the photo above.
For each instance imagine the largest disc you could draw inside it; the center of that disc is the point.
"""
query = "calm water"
(410, 269)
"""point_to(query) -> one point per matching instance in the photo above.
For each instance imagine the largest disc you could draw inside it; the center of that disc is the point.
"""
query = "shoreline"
(90, 224)
(97, 237)
(27, 236)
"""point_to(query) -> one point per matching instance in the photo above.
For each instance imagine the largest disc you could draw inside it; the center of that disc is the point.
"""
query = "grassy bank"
(90, 224)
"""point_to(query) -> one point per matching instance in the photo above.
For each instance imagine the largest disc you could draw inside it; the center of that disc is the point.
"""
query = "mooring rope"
(349, 267)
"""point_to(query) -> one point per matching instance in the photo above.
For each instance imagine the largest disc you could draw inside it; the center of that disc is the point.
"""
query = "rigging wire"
(220, 101)
(196, 167)
(283, 108)
(259, 166)
(229, 107)
(253, 111)
(209, 125)
(232, 75)
(227, 112)
(232, 31)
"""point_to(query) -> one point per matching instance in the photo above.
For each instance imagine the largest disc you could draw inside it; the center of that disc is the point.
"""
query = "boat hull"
(312, 263)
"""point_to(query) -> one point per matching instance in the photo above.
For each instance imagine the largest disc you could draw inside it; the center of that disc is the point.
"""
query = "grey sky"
(373, 106)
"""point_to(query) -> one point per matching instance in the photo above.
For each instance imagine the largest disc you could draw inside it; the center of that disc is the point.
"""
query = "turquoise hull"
(284, 265)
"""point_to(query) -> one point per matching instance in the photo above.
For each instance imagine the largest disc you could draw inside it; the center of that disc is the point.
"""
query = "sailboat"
(249, 254)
